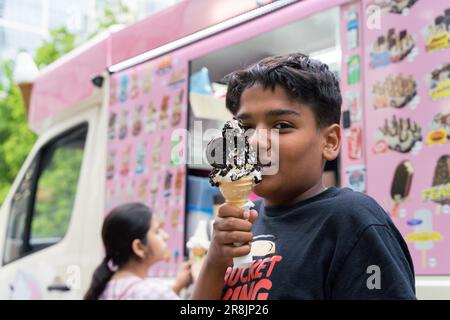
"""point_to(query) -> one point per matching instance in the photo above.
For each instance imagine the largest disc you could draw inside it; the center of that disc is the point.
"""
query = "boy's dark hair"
(305, 80)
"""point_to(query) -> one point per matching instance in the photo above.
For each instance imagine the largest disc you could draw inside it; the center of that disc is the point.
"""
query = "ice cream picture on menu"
(235, 170)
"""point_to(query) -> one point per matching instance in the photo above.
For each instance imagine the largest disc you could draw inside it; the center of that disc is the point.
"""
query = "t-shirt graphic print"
(253, 282)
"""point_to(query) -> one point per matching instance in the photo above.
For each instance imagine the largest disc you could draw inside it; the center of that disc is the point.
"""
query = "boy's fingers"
(227, 237)
(233, 251)
(226, 211)
(232, 224)
(253, 215)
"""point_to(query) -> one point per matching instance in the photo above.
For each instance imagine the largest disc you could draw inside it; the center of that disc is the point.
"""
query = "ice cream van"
(126, 117)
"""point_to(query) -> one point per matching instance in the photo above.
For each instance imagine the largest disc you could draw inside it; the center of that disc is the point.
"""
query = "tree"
(61, 41)
(110, 16)
(56, 192)
(16, 139)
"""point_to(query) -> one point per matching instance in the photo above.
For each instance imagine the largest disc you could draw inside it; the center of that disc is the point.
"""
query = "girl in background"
(133, 242)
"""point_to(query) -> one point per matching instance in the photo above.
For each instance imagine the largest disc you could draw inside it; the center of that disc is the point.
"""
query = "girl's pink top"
(135, 288)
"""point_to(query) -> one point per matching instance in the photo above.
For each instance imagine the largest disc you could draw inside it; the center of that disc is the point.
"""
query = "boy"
(308, 242)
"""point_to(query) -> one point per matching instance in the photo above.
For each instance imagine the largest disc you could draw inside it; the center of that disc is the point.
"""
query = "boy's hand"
(234, 226)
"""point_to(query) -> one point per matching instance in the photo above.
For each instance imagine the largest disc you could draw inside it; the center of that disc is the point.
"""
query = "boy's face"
(302, 146)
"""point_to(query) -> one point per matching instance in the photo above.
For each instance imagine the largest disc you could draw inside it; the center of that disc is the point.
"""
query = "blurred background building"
(25, 24)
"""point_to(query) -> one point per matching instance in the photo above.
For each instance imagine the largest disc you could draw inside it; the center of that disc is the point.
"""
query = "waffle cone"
(236, 193)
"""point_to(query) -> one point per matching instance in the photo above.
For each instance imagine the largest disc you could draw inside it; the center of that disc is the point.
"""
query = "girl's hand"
(184, 277)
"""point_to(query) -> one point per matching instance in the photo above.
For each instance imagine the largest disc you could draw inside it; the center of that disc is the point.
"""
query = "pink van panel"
(178, 21)
(62, 86)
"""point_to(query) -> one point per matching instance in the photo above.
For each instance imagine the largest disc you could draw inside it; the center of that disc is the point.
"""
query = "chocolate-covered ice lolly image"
(442, 171)
(401, 184)
(235, 169)
(441, 181)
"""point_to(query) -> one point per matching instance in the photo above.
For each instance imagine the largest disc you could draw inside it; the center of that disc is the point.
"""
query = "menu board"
(353, 173)
(406, 120)
(148, 106)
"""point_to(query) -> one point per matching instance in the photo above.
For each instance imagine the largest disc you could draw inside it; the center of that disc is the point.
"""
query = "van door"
(41, 220)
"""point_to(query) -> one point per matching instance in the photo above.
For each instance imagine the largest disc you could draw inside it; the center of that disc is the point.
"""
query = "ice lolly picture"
(235, 169)
(439, 192)
(401, 184)
(355, 143)
(441, 180)
(423, 235)
(174, 217)
(154, 187)
(112, 126)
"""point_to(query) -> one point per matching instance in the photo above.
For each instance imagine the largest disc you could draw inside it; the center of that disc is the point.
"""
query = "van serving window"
(42, 205)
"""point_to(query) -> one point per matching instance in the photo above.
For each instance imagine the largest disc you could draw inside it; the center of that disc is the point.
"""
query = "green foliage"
(56, 194)
(16, 139)
(111, 17)
(60, 42)
(57, 185)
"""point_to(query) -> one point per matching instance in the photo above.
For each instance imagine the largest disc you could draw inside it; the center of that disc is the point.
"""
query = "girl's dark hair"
(121, 227)
(305, 80)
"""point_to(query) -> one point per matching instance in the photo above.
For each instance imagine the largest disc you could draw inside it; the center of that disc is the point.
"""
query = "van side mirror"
(98, 81)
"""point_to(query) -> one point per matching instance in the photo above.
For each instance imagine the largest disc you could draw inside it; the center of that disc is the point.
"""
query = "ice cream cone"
(236, 193)
(235, 170)
(198, 253)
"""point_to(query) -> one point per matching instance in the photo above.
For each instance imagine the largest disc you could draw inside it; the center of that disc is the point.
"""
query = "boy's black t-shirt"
(339, 244)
